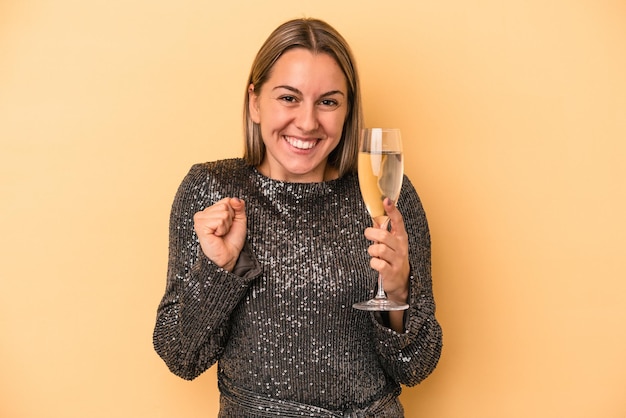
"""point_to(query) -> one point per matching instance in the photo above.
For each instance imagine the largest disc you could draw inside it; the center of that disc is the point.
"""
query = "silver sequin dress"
(283, 331)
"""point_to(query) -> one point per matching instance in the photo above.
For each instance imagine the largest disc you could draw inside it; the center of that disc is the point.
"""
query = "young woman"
(269, 252)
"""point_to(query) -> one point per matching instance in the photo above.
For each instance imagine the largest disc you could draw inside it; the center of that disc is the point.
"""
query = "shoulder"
(220, 167)
(217, 171)
(409, 199)
(211, 181)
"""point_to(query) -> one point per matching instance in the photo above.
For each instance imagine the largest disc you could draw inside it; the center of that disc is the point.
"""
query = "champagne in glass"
(381, 170)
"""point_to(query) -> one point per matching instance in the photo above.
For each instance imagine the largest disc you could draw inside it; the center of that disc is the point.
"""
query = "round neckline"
(294, 183)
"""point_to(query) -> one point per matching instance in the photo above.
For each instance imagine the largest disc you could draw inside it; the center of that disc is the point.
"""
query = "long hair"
(316, 36)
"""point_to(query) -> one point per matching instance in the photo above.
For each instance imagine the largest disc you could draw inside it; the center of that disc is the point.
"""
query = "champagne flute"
(380, 176)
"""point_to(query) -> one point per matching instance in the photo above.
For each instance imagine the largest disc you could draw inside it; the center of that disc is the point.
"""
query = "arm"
(409, 357)
(192, 319)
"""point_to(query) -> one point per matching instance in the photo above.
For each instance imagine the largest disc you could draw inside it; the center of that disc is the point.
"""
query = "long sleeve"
(192, 323)
(411, 356)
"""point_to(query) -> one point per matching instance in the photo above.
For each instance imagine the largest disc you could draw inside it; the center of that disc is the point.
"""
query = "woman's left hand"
(390, 254)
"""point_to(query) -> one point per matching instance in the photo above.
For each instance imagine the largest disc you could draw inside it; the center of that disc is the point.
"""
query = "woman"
(269, 252)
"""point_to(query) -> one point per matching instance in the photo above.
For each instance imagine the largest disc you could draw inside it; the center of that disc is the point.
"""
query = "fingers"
(221, 231)
(384, 255)
(396, 235)
(214, 220)
(218, 218)
(389, 250)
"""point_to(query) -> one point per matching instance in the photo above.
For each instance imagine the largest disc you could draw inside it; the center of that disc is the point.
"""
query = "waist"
(240, 402)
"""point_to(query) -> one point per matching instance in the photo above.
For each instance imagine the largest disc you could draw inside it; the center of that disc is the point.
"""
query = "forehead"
(305, 70)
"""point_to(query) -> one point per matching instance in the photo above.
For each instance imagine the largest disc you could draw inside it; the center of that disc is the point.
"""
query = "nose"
(306, 119)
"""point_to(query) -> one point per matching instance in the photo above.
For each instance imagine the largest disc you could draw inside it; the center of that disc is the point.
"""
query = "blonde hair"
(316, 36)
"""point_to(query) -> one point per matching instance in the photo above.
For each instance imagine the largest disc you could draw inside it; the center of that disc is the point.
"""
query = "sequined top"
(285, 329)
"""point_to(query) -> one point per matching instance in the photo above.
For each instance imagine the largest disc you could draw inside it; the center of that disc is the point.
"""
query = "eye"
(288, 98)
(329, 102)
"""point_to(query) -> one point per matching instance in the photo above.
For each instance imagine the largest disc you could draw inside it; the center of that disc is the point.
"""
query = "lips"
(303, 144)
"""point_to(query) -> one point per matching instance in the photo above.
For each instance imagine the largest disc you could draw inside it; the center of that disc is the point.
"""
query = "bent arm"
(411, 356)
(192, 324)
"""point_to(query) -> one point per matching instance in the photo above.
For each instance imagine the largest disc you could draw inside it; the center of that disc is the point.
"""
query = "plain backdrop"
(514, 121)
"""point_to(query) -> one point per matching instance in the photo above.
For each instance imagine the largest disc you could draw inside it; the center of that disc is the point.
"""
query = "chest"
(312, 250)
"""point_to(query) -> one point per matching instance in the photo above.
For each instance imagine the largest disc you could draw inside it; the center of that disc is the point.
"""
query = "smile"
(301, 144)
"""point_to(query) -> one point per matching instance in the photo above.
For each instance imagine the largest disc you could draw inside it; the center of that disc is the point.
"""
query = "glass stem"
(381, 291)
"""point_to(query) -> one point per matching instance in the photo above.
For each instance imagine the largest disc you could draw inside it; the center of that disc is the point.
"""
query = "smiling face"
(301, 110)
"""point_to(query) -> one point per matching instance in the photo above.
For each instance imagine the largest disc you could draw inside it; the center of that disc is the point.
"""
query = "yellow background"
(514, 120)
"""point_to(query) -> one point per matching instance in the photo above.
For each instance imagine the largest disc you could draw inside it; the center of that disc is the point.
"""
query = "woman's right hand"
(221, 230)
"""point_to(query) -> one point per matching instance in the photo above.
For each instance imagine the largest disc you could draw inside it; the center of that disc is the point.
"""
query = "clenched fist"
(221, 230)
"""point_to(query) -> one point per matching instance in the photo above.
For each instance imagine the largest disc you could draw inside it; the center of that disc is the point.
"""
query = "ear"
(253, 105)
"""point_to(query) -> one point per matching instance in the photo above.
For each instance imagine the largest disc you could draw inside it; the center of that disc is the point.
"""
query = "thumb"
(238, 206)
(395, 217)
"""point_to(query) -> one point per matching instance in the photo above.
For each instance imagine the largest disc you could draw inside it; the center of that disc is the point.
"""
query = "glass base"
(380, 305)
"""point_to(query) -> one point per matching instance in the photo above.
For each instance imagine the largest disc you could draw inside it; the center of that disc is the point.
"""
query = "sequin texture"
(286, 329)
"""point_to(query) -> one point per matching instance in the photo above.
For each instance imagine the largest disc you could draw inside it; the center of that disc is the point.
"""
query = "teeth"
(298, 143)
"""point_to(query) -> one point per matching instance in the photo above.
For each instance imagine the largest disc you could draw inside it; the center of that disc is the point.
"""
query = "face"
(300, 110)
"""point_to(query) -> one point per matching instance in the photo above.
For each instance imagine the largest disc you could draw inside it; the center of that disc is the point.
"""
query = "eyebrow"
(295, 90)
